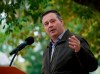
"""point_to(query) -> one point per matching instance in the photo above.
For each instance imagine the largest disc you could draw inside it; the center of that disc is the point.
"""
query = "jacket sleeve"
(43, 59)
(42, 72)
(86, 57)
(42, 69)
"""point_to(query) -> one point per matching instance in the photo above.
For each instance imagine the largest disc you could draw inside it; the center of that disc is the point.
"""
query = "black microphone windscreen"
(29, 40)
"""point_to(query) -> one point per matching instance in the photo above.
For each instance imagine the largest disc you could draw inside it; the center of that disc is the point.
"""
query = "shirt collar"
(61, 35)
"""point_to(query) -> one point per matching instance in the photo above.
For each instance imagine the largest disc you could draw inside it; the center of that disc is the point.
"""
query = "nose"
(50, 25)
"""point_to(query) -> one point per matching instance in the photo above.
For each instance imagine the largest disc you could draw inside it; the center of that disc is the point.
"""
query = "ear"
(62, 22)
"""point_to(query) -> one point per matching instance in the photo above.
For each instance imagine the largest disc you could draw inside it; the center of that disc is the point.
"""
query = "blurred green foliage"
(23, 20)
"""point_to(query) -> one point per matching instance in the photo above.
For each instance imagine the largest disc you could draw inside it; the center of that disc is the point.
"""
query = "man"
(66, 52)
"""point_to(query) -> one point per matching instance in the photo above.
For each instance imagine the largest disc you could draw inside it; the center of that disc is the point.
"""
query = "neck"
(55, 37)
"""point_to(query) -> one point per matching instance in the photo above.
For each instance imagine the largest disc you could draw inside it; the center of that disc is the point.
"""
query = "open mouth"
(52, 31)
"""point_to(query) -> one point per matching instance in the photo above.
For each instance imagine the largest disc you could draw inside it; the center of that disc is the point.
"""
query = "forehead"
(49, 16)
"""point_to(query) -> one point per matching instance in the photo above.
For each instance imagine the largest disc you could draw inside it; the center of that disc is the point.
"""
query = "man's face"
(53, 26)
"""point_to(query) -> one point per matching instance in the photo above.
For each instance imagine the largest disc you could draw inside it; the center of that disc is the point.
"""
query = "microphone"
(28, 41)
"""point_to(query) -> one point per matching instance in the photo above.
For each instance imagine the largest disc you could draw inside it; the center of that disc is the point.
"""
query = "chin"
(53, 35)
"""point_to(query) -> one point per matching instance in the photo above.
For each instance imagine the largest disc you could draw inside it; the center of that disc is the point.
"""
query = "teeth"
(52, 30)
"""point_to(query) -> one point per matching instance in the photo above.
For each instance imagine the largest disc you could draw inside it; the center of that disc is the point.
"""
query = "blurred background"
(20, 19)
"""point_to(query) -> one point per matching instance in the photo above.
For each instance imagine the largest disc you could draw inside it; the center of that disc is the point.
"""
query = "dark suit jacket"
(65, 61)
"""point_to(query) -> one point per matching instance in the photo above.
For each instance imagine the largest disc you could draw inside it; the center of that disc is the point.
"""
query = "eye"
(52, 20)
(46, 24)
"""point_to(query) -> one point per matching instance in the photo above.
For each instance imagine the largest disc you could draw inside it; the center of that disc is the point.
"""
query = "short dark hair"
(52, 11)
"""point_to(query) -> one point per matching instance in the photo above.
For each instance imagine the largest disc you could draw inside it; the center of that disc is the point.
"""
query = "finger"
(74, 38)
(72, 43)
(72, 47)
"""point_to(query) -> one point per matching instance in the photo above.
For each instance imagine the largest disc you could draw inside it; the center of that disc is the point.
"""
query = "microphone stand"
(13, 58)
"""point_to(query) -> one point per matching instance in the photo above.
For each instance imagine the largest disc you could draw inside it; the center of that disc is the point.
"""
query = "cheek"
(46, 29)
(59, 26)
